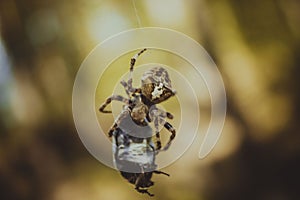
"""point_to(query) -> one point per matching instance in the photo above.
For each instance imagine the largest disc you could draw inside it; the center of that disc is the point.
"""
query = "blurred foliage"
(255, 45)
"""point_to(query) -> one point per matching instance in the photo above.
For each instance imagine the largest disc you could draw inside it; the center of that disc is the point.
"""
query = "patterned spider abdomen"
(157, 75)
(156, 85)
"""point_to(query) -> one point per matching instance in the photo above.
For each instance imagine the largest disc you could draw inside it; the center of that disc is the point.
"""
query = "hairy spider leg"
(110, 99)
(157, 135)
(125, 85)
(169, 115)
(170, 128)
(158, 116)
(132, 63)
(124, 114)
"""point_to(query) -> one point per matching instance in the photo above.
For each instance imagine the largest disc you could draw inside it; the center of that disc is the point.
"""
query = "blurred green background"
(255, 45)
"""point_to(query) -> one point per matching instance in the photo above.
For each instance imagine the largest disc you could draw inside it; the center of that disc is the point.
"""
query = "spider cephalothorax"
(132, 135)
(139, 113)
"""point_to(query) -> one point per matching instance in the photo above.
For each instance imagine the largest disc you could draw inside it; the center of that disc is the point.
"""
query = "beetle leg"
(160, 172)
(144, 191)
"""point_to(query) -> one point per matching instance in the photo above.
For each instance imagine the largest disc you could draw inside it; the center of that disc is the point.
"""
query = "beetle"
(135, 157)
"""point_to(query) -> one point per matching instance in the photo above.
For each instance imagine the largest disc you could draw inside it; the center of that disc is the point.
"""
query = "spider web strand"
(136, 14)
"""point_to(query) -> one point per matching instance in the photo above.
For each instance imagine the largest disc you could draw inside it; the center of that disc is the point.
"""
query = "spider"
(141, 102)
(133, 149)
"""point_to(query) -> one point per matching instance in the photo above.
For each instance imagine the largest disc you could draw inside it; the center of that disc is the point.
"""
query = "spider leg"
(157, 135)
(158, 117)
(109, 100)
(125, 85)
(169, 115)
(112, 129)
(132, 91)
(164, 114)
(170, 128)
(117, 122)
(132, 63)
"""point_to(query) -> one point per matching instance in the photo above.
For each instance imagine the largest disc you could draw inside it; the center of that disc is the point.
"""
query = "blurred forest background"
(255, 44)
